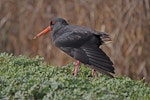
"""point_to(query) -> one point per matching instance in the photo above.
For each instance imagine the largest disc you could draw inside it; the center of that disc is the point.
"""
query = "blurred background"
(126, 21)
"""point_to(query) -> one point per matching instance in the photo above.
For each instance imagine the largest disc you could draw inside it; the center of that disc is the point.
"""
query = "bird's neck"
(57, 32)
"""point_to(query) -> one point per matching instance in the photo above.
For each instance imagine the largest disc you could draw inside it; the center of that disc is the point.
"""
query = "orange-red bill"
(43, 32)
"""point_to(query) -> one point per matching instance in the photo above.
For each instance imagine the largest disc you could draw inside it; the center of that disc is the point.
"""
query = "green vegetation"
(26, 78)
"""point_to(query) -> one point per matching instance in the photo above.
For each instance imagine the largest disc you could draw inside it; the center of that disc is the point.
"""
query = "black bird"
(81, 43)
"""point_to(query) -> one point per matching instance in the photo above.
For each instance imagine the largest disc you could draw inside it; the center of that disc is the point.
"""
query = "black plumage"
(81, 43)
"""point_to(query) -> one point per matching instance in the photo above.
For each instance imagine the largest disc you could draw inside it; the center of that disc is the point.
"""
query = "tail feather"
(105, 37)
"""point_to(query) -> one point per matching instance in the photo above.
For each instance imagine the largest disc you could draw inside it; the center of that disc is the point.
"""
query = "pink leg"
(77, 64)
(94, 73)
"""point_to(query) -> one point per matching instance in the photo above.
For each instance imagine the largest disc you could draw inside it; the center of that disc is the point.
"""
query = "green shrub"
(27, 78)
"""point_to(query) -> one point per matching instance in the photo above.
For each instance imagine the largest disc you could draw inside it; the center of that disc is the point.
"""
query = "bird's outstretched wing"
(95, 58)
(99, 59)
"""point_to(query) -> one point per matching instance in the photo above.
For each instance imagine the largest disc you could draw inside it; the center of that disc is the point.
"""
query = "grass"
(30, 78)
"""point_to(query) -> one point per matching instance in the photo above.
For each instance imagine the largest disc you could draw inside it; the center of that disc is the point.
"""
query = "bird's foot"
(77, 64)
(94, 73)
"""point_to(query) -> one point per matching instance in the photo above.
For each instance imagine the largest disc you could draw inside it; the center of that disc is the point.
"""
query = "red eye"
(53, 23)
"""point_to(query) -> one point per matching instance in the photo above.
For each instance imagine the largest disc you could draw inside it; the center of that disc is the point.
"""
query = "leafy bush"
(26, 78)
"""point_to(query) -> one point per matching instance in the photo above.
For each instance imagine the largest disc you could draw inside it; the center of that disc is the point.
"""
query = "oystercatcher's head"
(55, 24)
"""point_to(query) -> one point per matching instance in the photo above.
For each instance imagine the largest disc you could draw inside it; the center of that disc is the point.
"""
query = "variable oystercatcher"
(81, 43)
